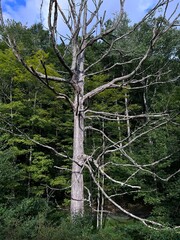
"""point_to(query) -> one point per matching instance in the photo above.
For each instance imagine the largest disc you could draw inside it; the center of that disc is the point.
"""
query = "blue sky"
(15, 4)
(27, 11)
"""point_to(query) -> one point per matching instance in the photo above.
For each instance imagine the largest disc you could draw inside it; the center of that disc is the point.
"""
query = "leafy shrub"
(32, 219)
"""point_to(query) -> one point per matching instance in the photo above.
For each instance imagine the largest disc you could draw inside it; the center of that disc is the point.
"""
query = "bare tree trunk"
(98, 203)
(128, 120)
(102, 182)
(127, 117)
(29, 174)
(77, 183)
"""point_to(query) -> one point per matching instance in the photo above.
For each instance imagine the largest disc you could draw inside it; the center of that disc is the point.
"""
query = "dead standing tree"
(86, 27)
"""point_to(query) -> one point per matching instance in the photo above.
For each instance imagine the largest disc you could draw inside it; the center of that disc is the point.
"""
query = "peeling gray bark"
(77, 183)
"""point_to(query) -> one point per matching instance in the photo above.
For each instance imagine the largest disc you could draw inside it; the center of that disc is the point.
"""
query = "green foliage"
(8, 175)
(22, 221)
(28, 225)
(30, 111)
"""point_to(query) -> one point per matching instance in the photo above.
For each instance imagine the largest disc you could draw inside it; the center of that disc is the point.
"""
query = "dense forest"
(89, 126)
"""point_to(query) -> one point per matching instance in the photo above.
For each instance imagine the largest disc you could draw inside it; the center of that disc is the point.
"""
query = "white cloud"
(26, 14)
(30, 12)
